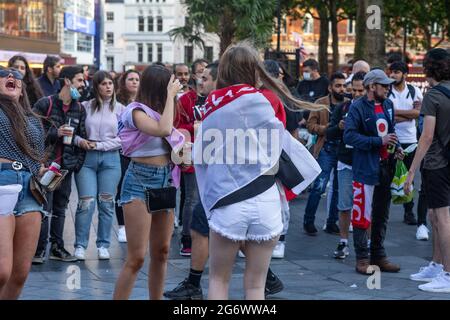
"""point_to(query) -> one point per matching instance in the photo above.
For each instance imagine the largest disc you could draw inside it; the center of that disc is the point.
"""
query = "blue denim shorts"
(139, 177)
(26, 202)
(345, 181)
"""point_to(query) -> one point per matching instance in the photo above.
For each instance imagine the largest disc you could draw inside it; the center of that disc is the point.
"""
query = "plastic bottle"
(50, 174)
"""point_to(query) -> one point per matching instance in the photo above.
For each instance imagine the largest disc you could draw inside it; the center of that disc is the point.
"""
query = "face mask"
(74, 94)
(307, 75)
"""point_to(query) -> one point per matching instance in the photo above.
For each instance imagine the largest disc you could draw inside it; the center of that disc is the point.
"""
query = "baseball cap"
(377, 76)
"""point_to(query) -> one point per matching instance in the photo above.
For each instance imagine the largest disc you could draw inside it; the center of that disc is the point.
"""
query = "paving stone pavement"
(308, 270)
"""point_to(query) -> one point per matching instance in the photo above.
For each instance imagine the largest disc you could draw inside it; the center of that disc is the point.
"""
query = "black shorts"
(199, 221)
(437, 187)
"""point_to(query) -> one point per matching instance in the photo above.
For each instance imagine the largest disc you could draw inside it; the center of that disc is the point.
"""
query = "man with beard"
(325, 151)
(369, 129)
(407, 100)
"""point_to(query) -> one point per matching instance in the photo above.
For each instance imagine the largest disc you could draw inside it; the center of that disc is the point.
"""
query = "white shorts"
(257, 219)
(9, 195)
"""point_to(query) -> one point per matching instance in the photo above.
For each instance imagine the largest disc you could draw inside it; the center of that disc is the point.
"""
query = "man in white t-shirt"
(407, 100)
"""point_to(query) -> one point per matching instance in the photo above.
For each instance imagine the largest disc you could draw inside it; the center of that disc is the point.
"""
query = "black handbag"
(160, 199)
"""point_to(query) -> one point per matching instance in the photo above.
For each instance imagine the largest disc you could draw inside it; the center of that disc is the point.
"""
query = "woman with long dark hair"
(128, 87)
(34, 91)
(21, 158)
(147, 136)
(98, 178)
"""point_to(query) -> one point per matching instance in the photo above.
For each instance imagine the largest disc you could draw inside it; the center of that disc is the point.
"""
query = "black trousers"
(124, 162)
(57, 205)
(380, 216)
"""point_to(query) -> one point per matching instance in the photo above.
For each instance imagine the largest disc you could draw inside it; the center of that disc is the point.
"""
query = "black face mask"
(339, 96)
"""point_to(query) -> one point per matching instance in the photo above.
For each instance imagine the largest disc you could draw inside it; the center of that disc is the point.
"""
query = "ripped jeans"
(97, 183)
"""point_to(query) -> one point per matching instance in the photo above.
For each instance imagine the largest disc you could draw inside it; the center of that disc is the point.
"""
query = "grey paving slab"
(308, 270)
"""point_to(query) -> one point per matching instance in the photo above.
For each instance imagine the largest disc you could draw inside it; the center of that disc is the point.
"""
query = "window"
(188, 54)
(435, 29)
(110, 38)
(140, 52)
(84, 42)
(149, 52)
(350, 26)
(141, 23)
(150, 24)
(308, 24)
(110, 63)
(69, 40)
(110, 16)
(159, 24)
(209, 53)
(159, 52)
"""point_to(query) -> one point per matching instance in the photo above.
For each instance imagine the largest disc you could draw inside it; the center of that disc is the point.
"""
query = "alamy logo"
(233, 146)
(73, 281)
(373, 21)
(374, 281)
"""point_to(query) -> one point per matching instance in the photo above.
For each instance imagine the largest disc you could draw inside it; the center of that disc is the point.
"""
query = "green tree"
(329, 12)
(231, 20)
(421, 19)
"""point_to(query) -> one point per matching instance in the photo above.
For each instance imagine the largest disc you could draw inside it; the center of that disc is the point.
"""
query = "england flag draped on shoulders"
(239, 140)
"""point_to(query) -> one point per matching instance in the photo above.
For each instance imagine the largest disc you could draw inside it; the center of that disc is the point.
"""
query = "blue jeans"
(327, 161)
(98, 177)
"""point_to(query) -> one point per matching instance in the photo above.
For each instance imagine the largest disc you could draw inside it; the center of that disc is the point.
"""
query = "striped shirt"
(9, 148)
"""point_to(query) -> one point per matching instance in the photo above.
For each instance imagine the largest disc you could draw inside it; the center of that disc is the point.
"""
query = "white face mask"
(307, 75)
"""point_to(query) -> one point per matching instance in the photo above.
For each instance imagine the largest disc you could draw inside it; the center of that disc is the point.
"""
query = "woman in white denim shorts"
(238, 188)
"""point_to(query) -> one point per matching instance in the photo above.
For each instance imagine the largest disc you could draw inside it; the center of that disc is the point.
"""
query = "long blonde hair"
(240, 63)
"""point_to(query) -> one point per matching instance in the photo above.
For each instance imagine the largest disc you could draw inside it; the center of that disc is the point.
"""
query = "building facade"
(28, 27)
(136, 32)
(78, 29)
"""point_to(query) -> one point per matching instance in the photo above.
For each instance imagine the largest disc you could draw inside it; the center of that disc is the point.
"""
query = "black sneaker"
(185, 291)
(310, 229)
(409, 219)
(61, 254)
(273, 285)
(332, 229)
(342, 251)
(39, 258)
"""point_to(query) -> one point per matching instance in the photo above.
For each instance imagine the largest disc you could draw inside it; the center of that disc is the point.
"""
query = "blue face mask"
(74, 94)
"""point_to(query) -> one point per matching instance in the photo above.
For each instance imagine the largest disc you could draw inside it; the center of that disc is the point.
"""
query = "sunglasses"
(4, 73)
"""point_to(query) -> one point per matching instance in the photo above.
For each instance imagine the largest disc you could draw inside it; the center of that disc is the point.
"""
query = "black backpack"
(411, 92)
(445, 92)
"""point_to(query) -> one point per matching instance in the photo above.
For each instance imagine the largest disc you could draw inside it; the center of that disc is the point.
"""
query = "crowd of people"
(131, 142)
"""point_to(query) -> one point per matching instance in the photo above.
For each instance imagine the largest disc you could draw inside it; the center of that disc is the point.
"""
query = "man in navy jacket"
(369, 128)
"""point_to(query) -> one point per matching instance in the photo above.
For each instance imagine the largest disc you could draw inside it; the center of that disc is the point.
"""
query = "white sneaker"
(278, 251)
(80, 253)
(439, 284)
(121, 235)
(422, 233)
(103, 253)
(427, 273)
(350, 228)
(241, 254)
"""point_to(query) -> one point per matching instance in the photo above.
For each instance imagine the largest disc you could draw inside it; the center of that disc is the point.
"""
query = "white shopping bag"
(8, 198)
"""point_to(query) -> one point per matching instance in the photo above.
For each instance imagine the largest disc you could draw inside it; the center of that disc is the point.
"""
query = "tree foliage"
(231, 20)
